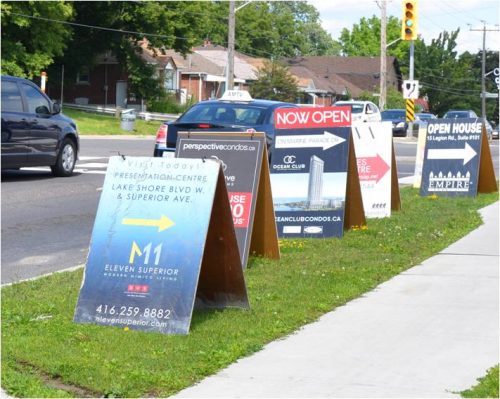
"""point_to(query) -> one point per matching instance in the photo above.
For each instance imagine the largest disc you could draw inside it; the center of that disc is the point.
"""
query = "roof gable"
(353, 74)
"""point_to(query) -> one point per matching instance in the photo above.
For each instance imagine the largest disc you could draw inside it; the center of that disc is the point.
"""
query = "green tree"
(445, 78)
(165, 25)
(299, 31)
(272, 29)
(30, 44)
(35, 35)
(274, 82)
(394, 98)
(364, 38)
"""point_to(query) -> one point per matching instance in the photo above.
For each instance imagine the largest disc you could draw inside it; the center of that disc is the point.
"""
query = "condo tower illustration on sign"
(317, 177)
(315, 188)
(312, 191)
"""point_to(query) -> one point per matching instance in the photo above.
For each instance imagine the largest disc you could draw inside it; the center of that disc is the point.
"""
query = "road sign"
(410, 110)
(410, 89)
(156, 246)
(457, 160)
(312, 167)
(489, 95)
(374, 155)
(244, 160)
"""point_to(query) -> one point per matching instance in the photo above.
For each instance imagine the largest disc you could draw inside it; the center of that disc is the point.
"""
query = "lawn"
(101, 124)
(45, 354)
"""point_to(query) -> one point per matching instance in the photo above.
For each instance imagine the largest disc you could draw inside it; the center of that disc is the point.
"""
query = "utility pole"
(483, 69)
(383, 54)
(230, 47)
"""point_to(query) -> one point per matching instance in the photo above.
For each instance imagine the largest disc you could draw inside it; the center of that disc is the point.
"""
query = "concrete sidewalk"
(428, 332)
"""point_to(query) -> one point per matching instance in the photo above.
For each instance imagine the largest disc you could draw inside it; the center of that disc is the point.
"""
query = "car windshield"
(356, 108)
(393, 114)
(425, 116)
(223, 113)
(457, 114)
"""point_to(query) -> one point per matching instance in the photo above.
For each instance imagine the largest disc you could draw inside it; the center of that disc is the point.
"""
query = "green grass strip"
(103, 125)
(45, 354)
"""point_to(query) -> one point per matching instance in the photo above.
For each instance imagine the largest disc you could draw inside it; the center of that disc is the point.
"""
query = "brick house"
(106, 83)
(197, 76)
(201, 75)
(102, 84)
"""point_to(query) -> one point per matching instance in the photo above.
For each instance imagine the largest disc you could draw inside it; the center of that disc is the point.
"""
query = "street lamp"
(230, 43)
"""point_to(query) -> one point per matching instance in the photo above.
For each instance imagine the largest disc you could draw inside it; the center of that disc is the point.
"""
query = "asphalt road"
(47, 222)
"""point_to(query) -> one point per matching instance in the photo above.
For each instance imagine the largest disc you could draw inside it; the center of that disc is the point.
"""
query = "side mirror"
(42, 110)
(56, 108)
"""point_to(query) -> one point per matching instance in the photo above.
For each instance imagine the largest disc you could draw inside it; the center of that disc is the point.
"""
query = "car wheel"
(66, 160)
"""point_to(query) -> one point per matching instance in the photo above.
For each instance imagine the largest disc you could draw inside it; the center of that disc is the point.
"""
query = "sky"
(434, 16)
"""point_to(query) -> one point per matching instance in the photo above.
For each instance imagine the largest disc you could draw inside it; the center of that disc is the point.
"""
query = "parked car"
(459, 113)
(235, 111)
(494, 132)
(453, 114)
(34, 131)
(364, 111)
(398, 119)
(425, 116)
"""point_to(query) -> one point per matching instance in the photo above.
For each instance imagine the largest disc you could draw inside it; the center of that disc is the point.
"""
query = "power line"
(461, 92)
(120, 30)
(101, 27)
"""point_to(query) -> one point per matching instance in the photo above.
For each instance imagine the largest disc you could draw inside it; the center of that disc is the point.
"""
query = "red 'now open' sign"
(301, 118)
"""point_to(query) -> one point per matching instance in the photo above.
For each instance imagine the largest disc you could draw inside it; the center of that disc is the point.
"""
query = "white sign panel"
(373, 145)
(410, 89)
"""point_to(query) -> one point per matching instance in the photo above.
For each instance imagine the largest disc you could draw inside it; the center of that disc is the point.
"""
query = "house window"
(83, 75)
(169, 81)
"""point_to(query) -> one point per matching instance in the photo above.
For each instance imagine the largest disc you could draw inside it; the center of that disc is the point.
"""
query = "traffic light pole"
(409, 33)
(409, 132)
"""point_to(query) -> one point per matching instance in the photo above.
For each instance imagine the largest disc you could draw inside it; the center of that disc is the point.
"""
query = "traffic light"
(409, 28)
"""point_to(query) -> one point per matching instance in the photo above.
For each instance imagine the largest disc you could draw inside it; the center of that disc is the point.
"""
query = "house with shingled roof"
(346, 77)
(201, 75)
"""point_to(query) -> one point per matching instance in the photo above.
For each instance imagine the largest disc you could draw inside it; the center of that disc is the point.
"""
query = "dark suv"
(34, 131)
